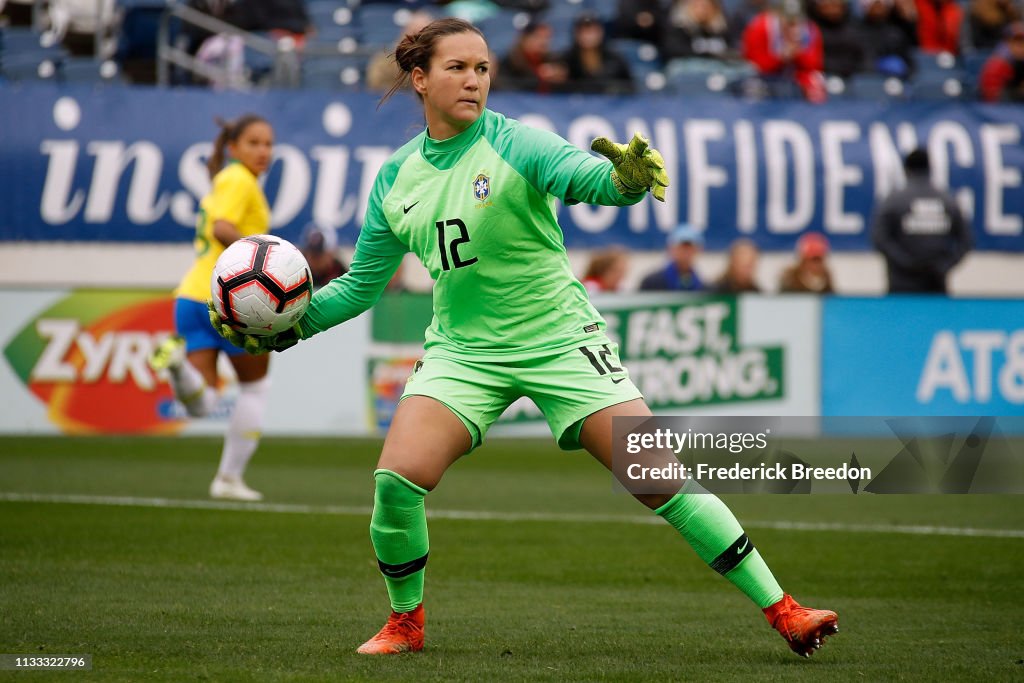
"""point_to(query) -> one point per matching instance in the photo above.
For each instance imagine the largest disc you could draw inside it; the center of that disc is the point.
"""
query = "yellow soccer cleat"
(169, 354)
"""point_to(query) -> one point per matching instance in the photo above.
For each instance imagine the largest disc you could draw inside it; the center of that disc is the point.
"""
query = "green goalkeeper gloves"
(252, 343)
(636, 167)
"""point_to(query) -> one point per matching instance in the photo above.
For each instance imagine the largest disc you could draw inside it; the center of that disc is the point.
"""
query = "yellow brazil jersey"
(236, 198)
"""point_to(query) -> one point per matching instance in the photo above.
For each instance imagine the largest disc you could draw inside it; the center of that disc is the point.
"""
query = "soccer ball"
(261, 285)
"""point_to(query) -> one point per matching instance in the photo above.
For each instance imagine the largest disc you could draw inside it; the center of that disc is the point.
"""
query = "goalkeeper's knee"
(398, 527)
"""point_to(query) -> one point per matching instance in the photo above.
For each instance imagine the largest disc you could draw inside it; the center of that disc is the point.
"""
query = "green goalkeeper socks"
(398, 530)
(713, 532)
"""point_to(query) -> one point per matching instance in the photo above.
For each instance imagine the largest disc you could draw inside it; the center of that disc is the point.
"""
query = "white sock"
(190, 388)
(244, 428)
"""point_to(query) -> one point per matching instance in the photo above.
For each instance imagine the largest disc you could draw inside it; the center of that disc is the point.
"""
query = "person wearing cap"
(781, 43)
(920, 231)
(810, 273)
(678, 275)
(594, 67)
(1002, 77)
(320, 247)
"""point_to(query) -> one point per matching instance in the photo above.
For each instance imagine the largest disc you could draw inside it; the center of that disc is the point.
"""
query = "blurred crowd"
(757, 48)
(785, 45)
(918, 229)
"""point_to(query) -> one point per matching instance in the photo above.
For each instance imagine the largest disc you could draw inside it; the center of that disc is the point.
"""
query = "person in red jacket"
(783, 43)
(1002, 77)
(938, 26)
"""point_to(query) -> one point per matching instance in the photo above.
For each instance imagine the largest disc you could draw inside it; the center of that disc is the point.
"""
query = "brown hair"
(416, 50)
(603, 261)
(230, 131)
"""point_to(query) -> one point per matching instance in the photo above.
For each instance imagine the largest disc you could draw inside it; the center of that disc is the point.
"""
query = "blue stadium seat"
(974, 62)
(21, 41)
(930, 63)
(28, 55)
(333, 73)
(88, 70)
(378, 24)
(874, 88)
(951, 85)
(642, 56)
(19, 69)
(500, 30)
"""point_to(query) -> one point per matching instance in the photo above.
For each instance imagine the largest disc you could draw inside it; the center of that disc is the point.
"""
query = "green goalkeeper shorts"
(567, 386)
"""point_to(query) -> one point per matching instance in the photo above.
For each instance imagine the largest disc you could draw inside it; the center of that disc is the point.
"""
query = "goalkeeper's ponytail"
(417, 49)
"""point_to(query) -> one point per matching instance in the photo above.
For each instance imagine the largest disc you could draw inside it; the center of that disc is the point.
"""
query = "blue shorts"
(192, 321)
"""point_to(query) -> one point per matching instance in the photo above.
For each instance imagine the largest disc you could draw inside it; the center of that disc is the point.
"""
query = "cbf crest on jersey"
(482, 187)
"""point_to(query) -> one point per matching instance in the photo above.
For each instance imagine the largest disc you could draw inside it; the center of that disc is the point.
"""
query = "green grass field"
(563, 580)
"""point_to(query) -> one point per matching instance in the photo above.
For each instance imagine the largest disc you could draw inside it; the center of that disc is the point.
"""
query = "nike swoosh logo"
(743, 547)
(407, 209)
(396, 571)
(616, 381)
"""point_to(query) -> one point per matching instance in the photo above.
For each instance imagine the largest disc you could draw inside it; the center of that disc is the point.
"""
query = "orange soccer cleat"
(803, 628)
(402, 633)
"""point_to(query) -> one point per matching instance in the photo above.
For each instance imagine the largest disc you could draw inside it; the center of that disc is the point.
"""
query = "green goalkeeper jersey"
(478, 209)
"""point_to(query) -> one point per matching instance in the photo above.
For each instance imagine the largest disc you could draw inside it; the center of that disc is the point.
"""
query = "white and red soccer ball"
(261, 285)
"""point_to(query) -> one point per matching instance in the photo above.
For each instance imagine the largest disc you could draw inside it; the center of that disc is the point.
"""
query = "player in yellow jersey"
(234, 208)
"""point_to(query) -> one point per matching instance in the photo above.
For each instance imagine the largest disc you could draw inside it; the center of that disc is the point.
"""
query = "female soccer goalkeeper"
(473, 196)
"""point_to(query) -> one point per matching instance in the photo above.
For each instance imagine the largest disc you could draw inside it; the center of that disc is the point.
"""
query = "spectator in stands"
(887, 38)
(920, 231)
(989, 21)
(938, 26)
(1002, 77)
(782, 44)
(840, 37)
(741, 270)
(530, 65)
(593, 67)
(639, 20)
(606, 270)
(695, 28)
(678, 275)
(810, 273)
(743, 12)
(320, 247)
(281, 18)
(382, 71)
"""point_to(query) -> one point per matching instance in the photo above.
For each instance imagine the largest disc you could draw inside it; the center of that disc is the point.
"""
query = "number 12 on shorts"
(601, 361)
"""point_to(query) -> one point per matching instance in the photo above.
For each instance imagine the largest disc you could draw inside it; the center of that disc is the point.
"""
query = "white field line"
(481, 515)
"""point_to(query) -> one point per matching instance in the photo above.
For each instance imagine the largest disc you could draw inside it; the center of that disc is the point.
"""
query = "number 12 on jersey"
(450, 250)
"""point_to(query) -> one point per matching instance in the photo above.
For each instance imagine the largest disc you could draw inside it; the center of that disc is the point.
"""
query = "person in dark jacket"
(593, 66)
(887, 38)
(678, 275)
(920, 231)
(844, 53)
(1002, 77)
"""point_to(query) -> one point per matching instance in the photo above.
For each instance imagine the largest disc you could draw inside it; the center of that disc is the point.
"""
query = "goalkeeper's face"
(455, 88)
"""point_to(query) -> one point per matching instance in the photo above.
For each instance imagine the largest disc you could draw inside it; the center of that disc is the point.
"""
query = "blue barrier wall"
(125, 164)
